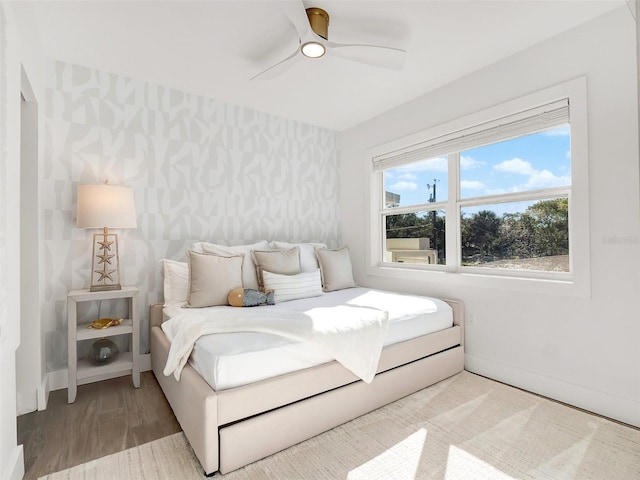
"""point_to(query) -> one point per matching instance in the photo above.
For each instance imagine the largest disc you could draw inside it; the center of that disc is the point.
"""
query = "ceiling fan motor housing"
(319, 21)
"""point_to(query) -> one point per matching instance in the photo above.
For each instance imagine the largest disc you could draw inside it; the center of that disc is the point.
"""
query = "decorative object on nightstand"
(102, 352)
(105, 206)
(102, 363)
(103, 323)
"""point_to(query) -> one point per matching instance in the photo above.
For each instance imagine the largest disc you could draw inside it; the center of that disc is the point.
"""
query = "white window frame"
(575, 283)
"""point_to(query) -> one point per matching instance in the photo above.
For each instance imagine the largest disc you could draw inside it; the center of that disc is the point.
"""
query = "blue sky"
(535, 161)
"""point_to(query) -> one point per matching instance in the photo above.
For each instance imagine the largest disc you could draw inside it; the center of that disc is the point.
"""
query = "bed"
(232, 420)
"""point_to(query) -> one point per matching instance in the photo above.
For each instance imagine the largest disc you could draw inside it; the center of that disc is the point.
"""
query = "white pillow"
(292, 287)
(249, 277)
(176, 281)
(308, 260)
(211, 278)
(335, 268)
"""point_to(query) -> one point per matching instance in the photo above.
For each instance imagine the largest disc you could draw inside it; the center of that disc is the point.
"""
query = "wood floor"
(107, 417)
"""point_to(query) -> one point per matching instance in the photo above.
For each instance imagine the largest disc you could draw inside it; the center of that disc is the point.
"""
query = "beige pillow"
(211, 278)
(308, 260)
(335, 268)
(249, 278)
(284, 262)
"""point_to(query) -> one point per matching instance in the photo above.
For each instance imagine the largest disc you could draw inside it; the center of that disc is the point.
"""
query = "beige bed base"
(232, 428)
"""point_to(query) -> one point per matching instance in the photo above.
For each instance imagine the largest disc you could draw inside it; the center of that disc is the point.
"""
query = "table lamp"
(105, 206)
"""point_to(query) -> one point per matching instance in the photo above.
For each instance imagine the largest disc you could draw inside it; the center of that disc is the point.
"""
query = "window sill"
(549, 283)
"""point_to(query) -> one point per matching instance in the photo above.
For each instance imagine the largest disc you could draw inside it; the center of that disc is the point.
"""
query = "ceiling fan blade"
(297, 14)
(376, 55)
(280, 67)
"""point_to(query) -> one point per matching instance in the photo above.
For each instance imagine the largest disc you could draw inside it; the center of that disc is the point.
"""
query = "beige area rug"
(466, 428)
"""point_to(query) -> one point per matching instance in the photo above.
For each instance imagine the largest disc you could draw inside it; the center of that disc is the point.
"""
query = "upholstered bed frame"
(234, 427)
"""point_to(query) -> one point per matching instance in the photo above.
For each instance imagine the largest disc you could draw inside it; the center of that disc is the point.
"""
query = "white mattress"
(233, 359)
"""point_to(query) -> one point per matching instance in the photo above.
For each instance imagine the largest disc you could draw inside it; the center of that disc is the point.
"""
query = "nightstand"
(81, 371)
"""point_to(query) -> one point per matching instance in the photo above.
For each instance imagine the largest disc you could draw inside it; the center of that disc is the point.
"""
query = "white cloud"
(404, 186)
(546, 179)
(563, 131)
(467, 163)
(516, 166)
(438, 164)
(497, 191)
(471, 185)
(536, 178)
(408, 176)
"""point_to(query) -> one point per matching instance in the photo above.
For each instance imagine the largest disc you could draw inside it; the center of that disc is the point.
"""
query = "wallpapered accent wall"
(200, 170)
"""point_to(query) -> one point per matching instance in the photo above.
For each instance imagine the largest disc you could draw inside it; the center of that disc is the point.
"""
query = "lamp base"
(105, 264)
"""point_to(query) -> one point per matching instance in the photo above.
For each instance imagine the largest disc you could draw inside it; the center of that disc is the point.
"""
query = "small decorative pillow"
(211, 278)
(292, 287)
(176, 281)
(249, 278)
(285, 262)
(308, 260)
(248, 297)
(335, 268)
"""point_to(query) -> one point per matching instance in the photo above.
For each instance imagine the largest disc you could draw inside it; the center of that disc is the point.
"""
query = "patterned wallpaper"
(200, 169)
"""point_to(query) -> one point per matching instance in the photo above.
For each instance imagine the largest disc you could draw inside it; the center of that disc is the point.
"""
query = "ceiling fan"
(312, 26)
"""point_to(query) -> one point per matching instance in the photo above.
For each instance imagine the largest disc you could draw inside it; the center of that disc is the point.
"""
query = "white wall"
(200, 170)
(237, 174)
(635, 11)
(30, 367)
(29, 355)
(584, 351)
(11, 456)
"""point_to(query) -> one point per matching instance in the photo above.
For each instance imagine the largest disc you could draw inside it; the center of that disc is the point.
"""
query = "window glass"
(417, 237)
(508, 208)
(417, 183)
(532, 235)
(532, 162)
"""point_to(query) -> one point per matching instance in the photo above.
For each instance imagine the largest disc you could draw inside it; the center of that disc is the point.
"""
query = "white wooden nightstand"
(81, 371)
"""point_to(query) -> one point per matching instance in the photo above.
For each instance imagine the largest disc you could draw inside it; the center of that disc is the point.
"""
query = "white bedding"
(230, 360)
(352, 335)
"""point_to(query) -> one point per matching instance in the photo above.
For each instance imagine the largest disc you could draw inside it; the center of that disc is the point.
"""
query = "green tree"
(551, 224)
(483, 232)
(468, 249)
(517, 235)
(407, 225)
(541, 230)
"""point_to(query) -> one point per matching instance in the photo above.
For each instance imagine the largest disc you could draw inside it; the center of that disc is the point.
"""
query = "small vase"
(102, 352)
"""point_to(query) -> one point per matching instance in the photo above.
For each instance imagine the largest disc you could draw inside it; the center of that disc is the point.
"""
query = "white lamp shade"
(105, 205)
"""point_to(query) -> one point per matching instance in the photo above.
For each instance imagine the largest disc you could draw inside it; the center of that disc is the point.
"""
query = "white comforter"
(353, 336)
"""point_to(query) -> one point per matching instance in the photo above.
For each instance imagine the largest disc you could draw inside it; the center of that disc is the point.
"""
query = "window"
(415, 203)
(493, 198)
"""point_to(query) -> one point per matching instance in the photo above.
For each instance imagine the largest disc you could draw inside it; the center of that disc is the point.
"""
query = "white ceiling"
(213, 48)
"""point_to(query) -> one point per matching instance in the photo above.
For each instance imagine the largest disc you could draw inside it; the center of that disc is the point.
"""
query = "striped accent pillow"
(292, 287)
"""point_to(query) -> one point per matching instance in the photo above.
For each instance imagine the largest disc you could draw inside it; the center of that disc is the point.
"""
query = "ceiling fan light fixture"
(313, 42)
(313, 49)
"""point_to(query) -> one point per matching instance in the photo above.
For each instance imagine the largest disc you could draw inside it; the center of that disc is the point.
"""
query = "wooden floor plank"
(107, 417)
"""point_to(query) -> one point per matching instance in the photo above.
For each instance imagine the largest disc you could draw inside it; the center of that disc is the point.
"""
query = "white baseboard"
(59, 379)
(43, 393)
(145, 362)
(26, 403)
(624, 410)
(35, 400)
(14, 469)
